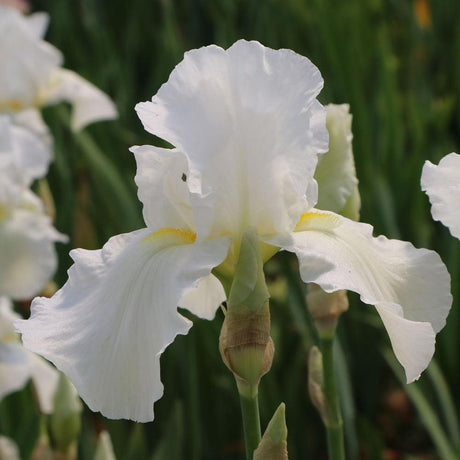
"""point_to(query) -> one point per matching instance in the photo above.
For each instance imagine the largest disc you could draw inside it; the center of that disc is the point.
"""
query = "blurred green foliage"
(400, 73)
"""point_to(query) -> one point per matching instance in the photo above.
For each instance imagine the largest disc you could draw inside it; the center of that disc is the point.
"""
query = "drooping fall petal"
(122, 301)
(410, 287)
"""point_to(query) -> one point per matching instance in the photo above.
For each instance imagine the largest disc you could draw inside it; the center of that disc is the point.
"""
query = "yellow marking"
(186, 235)
(12, 337)
(318, 219)
(12, 105)
(2, 213)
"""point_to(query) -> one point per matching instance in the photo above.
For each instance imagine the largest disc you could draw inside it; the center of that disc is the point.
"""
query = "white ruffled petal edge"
(121, 301)
(249, 123)
(442, 185)
(162, 188)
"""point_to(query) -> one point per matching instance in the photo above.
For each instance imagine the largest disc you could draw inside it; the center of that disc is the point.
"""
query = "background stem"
(333, 421)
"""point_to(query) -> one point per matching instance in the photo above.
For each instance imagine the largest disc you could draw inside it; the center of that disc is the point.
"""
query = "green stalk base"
(251, 421)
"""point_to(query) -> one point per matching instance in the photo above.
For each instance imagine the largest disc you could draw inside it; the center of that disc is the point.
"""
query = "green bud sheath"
(65, 421)
(273, 445)
(245, 343)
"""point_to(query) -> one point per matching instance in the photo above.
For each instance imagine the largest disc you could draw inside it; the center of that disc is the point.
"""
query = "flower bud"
(325, 308)
(65, 421)
(245, 343)
(104, 449)
(246, 347)
(315, 380)
(42, 450)
(273, 445)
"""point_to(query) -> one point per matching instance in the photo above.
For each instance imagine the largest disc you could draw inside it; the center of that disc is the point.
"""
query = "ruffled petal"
(205, 298)
(28, 258)
(32, 120)
(120, 301)
(27, 154)
(162, 189)
(14, 363)
(336, 173)
(442, 185)
(89, 103)
(38, 23)
(251, 128)
(337, 253)
(30, 62)
(412, 341)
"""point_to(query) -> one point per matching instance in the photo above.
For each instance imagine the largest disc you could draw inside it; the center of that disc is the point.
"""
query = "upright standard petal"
(409, 286)
(121, 301)
(89, 103)
(442, 185)
(162, 189)
(336, 173)
(249, 123)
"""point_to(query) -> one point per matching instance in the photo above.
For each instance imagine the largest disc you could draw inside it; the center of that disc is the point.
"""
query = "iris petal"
(108, 325)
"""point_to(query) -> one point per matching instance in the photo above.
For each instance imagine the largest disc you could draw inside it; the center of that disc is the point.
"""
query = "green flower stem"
(333, 419)
(249, 399)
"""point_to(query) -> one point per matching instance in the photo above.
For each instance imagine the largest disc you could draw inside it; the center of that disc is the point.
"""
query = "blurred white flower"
(246, 129)
(18, 365)
(23, 153)
(32, 77)
(8, 449)
(442, 185)
(27, 255)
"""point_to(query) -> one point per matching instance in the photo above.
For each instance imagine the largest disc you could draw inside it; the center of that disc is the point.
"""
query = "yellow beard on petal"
(11, 106)
(317, 220)
(186, 236)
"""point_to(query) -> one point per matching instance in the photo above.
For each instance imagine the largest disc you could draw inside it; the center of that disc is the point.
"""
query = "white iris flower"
(18, 365)
(246, 129)
(27, 255)
(31, 75)
(442, 185)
